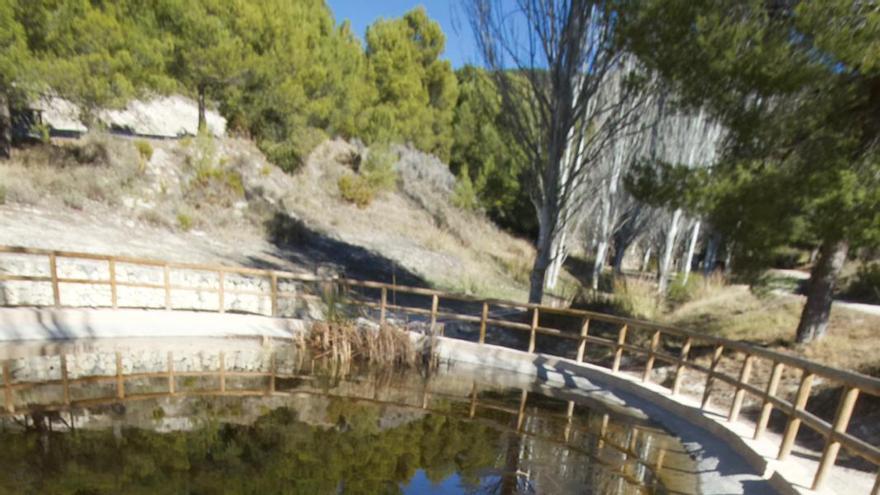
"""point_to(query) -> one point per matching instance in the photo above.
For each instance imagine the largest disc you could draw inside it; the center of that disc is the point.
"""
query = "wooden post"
(603, 430)
(767, 406)
(273, 370)
(634, 443)
(658, 464)
(273, 281)
(744, 374)
(435, 301)
(534, 330)
(832, 444)
(679, 368)
(222, 372)
(522, 409)
(569, 415)
(618, 352)
(171, 373)
(382, 305)
(710, 378)
(483, 320)
(166, 276)
(53, 271)
(876, 489)
(655, 343)
(120, 381)
(7, 388)
(473, 409)
(582, 344)
(113, 294)
(220, 294)
(65, 383)
(794, 423)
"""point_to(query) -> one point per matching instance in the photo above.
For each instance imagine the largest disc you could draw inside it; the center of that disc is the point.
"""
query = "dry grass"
(344, 342)
(95, 169)
(194, 183)
(734, 312)
(417, 226)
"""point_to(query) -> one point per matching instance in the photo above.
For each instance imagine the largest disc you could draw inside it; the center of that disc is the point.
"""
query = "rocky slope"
(219, 200)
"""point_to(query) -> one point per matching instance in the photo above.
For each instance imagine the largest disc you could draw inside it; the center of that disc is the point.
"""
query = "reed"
(344, 342)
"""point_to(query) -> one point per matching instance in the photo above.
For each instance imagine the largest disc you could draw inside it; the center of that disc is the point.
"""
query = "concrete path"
(28, 324)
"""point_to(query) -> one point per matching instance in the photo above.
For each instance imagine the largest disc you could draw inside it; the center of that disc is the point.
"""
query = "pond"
(243, 416)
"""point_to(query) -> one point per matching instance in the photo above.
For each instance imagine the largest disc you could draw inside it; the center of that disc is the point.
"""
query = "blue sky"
(460, 46)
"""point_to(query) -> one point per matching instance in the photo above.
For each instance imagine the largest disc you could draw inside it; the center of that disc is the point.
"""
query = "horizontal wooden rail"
(660, 343)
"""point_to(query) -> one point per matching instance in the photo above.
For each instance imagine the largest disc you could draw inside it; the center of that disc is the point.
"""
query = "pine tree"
(798, 86)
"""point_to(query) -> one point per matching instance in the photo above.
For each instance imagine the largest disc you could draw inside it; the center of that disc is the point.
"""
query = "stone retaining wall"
(200, 292)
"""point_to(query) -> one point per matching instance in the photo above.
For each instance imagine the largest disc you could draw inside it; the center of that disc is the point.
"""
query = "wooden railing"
(620, 337)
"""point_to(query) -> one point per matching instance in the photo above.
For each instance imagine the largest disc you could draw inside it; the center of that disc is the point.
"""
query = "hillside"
(219, 199)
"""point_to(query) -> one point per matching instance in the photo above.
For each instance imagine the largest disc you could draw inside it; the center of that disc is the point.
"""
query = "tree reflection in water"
(316, 434)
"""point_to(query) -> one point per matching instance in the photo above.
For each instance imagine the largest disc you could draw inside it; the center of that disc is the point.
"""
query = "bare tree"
(692, 141)
(550, 59)
(616, 205)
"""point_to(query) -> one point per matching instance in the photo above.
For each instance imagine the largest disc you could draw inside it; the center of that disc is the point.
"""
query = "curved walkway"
(728, 463)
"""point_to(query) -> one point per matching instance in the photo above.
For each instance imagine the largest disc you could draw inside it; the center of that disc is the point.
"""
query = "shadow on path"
(722, 470)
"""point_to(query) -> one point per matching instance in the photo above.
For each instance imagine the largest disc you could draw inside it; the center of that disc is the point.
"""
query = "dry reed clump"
(344, 342)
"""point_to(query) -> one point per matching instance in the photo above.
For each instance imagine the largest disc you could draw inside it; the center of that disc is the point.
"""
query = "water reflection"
(241, 417)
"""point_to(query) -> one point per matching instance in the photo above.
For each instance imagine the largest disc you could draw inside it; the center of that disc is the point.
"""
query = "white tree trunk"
(646, 259)
(668, 249)
(560, 253)
(604, 233)
(689, 259)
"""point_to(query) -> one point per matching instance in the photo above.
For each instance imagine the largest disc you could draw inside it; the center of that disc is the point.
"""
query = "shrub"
(93, 152)
(145, 149)
(680, 292)
(865, 287)
(464, 196)
(2, 194)
(377, 175)
(291, 153)
(44, 132)
(355, 189)
(213, 183)
(379, 169)
(184, 221)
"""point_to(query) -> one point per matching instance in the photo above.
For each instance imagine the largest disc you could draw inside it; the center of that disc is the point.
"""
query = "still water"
(241, 417)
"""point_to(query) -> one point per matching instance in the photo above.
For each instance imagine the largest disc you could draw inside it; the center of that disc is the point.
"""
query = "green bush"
(679, 291)
(376, 175)
(223, 177)
(290, 154)
(145, 149)
(355, 189)
(44, 131)
(865, 287)
(465, 196)
(184, 221)
(379, 169)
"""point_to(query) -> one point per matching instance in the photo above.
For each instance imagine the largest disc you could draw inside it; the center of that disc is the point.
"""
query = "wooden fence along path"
(641, 341)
